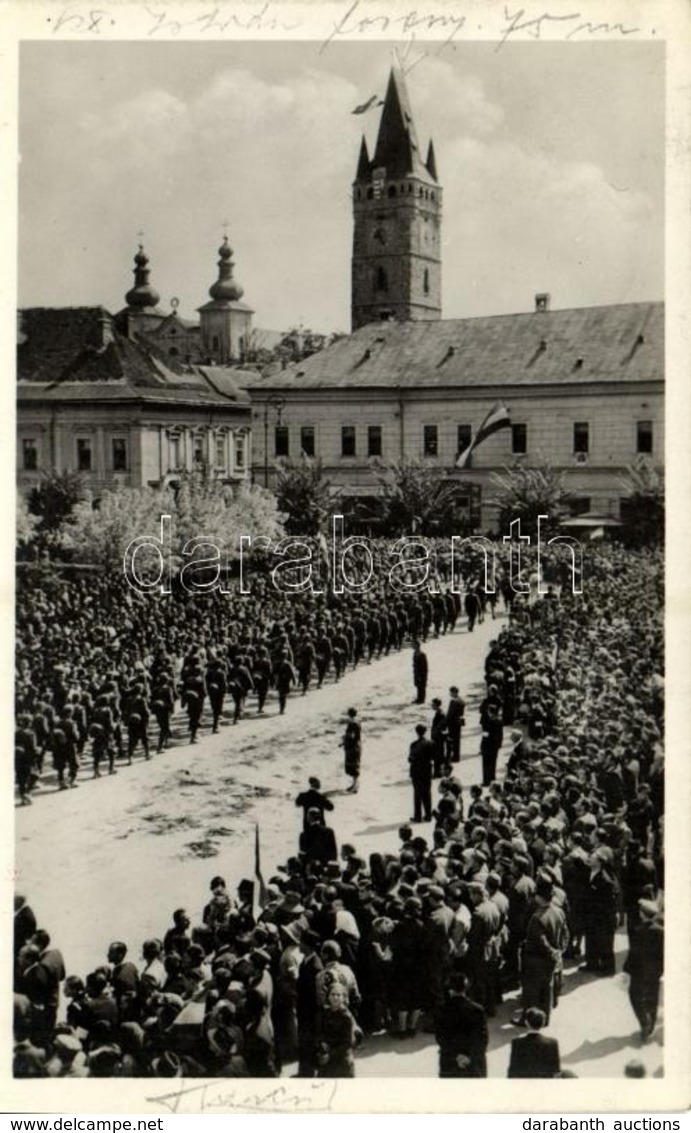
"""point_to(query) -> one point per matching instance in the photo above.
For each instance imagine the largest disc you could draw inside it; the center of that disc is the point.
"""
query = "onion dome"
(225, 289)
(142, 294)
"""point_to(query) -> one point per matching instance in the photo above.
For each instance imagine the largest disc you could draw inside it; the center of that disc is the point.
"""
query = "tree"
(415, 499)
(200, 508)
(26, 524)
(304, 496)
(643, 505)
(526, 493)
(100, 534)
(55, 497)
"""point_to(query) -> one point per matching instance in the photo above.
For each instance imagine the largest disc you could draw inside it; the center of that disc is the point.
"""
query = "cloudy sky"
(551, 157)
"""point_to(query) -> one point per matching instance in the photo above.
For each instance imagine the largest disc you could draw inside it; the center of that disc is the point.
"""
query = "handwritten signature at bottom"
(206, 1097)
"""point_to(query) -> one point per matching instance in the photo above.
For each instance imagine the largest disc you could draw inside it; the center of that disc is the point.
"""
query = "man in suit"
(318, 842)
(461, 1032)
(534, 1055)
(421, 759)
(420, 673)
(454, 722)
(644, 965)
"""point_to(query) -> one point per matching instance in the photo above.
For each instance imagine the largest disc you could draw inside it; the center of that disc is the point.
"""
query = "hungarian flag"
(259, 891)
(365, 106)
(497, 418)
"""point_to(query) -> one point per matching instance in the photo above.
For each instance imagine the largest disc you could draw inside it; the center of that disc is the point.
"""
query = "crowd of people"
(509, 882)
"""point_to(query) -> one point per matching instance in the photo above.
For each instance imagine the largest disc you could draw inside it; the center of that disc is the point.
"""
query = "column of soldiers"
(97, 692)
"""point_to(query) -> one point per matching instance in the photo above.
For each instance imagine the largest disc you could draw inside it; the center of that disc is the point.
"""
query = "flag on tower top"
(497, 418)
(375, 100)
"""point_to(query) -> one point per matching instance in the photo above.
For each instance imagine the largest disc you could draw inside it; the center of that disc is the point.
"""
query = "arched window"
(370, 194)
(410, 188)
(392, 190)
(425, 283)
(381, 282)
(432, 195)
(173, 351)
(214, 342)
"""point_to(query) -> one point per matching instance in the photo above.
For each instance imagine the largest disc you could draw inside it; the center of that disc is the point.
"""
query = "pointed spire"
(225, 288)
(397, 147)
(364, 165)
(431, 162)
(142, 294)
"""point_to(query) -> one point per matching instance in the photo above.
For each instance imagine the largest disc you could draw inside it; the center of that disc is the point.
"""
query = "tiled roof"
(76, 354)
(570, 347)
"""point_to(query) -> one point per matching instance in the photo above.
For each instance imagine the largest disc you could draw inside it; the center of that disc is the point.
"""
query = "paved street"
(112, 859)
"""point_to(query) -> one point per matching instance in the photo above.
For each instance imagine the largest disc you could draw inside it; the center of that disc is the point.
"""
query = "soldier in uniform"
(261, 675)
(421, 759)
(216, 688)
(284, 679)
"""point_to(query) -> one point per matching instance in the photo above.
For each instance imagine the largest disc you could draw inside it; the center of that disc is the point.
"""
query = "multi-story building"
(93, 401)
(584, 387)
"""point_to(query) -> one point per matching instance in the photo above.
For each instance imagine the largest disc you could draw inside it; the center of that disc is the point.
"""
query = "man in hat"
(461, 1032)
(455, 719)
(601, 911)
(544, 937)
(313, 799)
(307, 1004)
(421, 760)
(483, 947)
(645, 965)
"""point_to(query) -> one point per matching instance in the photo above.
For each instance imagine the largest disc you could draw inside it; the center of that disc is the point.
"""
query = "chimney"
(542, 301)
(105, 329)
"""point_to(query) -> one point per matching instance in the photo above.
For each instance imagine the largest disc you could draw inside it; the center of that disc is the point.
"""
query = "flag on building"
(497, 418)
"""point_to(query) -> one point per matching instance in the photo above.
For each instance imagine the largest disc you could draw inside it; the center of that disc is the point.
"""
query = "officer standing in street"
(421, 760)
(420, 673)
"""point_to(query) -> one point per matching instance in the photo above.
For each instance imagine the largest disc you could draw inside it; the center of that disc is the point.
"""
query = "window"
(83, 455)
(519, 440)
(281, 441)
(425, 285)
(430, 442)
(374, 440)
(215, 342)
(307, 440)
(29, 455)
(348, 440)
(119, 450)
(381, 282)
(198, 450)
(240, 451)
(581, 437)
(221, 451)
(579, 505)
(644, 436)
(175, 450)
(464, 435)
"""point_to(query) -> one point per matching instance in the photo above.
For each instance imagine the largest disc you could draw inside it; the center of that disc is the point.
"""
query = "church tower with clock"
(396, 266)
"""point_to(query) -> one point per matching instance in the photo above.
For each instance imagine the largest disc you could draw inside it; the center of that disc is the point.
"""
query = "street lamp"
(276, 403)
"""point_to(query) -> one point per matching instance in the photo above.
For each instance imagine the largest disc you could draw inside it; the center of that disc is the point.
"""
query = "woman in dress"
(352, 746)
